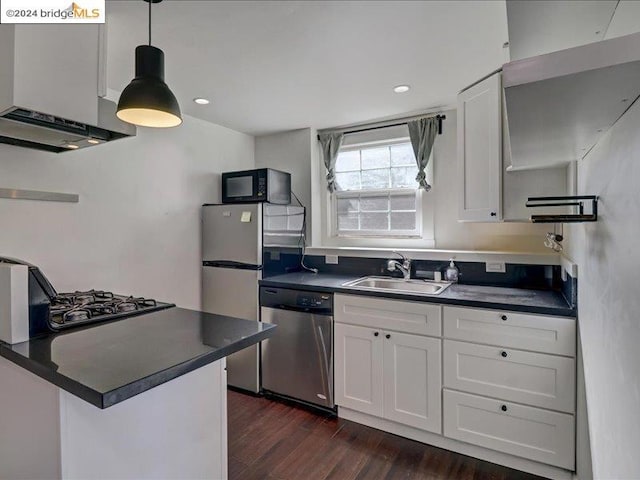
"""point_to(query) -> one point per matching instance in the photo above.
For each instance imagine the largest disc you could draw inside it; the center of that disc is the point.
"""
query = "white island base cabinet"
(176, 430)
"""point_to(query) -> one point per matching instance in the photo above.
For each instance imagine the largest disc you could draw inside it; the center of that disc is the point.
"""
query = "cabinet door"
(480, 151)
(537, 379)
(412, 380)
(358, 368)
(529, 432)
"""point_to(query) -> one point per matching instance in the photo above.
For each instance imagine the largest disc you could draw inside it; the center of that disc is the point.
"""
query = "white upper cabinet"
(490, 189)
(480, 151)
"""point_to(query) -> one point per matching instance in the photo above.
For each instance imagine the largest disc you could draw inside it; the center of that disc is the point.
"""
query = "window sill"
(532, 258)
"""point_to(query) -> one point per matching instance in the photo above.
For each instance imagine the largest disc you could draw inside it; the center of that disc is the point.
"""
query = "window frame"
(398, 234)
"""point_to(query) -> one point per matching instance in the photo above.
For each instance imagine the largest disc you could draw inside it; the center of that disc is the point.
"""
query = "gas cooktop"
(50, 311)
(68, 309)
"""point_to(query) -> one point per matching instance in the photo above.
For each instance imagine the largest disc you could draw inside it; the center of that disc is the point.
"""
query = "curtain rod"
(366, 129)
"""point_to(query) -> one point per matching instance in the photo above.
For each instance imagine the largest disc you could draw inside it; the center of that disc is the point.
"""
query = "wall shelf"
(16, 194)
(575, 201)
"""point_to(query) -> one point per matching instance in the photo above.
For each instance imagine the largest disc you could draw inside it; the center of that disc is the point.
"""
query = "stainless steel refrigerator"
(233, 240)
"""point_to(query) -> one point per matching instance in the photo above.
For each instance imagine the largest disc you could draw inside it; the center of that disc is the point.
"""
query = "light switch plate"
(496, 267)
(331, 259)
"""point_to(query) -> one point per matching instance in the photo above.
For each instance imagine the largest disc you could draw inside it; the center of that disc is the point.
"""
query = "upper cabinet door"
(480, 151)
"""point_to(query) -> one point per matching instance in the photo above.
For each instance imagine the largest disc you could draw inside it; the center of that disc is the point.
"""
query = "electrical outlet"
(495, 267)
(331, 259)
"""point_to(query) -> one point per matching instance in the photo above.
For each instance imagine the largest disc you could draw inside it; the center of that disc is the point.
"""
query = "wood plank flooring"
(278, 441)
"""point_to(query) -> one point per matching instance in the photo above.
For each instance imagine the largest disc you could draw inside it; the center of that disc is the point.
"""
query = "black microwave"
(260, 185)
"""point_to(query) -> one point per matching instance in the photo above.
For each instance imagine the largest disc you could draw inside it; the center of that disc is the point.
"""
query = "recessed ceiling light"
(93, 141)
(401, 88)
(72, 146)
(201, 101)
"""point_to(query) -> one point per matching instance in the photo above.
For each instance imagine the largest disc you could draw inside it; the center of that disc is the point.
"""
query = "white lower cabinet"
(499, 381)
(529, 432)
(391, 375)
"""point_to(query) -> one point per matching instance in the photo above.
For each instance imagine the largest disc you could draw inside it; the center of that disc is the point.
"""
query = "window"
(376, 191)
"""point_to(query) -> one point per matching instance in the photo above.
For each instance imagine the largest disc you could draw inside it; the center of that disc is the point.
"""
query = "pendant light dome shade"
(147, 101)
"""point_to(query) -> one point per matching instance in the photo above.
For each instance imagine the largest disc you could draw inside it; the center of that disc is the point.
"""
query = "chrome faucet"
(404, 267)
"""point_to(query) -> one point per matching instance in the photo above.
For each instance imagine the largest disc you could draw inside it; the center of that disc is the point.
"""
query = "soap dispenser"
(452, 272)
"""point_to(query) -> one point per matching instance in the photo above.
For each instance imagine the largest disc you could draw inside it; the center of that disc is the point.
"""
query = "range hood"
(50, 86)
(560, 104)
(41, 131)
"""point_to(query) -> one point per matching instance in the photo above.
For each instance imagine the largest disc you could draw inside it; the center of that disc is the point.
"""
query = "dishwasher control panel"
(288, 299)
(313, 300)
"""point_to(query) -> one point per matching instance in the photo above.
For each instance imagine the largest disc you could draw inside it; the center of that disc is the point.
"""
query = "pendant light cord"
(150, 2)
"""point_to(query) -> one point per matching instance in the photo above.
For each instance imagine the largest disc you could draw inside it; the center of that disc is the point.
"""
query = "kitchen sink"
(398, 285)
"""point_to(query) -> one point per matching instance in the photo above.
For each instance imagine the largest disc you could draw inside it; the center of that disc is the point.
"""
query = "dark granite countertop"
(545, 302)
(108, 363)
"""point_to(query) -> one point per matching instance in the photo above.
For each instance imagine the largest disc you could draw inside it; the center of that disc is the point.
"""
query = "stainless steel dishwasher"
(297, 361)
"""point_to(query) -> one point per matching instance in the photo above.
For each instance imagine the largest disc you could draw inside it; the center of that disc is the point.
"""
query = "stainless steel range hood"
(560, 104)
(40, 131)
(50, 88)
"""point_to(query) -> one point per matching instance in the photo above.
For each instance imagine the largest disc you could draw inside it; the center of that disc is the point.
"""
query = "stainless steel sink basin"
(398, 285)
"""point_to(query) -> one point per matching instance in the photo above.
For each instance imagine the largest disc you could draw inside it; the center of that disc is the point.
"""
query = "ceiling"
(270, 66)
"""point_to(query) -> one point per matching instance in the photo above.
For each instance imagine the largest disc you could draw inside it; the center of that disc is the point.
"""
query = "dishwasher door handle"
(327, 365)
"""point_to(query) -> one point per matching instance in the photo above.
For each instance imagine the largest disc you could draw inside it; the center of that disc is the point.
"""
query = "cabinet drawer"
(399, 315)
(533, 378)
(509, 329)
(528, 432)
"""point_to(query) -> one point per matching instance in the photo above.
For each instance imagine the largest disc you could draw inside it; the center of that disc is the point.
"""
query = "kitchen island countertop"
(545, 302)
(110, 362)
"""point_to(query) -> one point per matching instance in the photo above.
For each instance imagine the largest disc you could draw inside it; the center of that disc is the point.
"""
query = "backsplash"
(538, 277)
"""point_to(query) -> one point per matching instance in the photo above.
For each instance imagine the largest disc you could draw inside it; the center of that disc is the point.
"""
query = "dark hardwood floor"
(273, 440)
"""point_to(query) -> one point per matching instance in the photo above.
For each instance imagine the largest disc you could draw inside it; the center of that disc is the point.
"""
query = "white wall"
(136, 229)
(290, 152)
(608, 302)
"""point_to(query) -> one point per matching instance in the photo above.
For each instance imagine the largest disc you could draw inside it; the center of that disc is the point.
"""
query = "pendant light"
(147, 101)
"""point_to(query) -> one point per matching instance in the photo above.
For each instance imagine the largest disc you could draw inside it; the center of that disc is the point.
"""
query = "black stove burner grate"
(96, 305)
